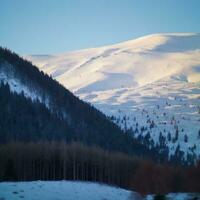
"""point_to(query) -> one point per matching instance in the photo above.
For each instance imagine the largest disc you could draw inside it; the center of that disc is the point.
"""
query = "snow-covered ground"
(60, 190)
(75, 190)
(151, 79)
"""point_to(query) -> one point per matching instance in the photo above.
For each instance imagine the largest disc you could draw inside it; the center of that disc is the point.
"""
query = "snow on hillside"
(61, 190)
(150, 84)
(8, 76)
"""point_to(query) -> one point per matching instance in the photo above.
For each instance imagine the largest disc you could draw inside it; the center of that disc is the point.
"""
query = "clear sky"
(54, 26)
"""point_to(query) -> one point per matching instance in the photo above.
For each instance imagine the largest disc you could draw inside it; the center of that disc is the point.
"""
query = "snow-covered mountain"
(150, 85)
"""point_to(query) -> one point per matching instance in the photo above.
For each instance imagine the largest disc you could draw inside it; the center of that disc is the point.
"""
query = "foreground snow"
(60, 190)
(153, 78)
(75, 190)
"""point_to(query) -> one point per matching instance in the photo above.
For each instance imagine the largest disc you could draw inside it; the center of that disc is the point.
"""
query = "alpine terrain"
(149, 86)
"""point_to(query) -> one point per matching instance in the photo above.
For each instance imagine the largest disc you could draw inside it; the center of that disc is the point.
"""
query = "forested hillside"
(55, 113)
(22, 119)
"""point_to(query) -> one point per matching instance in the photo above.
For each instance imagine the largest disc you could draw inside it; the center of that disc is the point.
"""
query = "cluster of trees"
(59, 160)
(142, 133)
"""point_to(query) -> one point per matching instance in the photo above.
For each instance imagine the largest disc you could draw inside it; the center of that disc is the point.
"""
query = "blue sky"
(54, 26)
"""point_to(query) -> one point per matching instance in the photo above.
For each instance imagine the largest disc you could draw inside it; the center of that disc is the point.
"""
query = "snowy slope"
(155, 78)
(60, 190)
(8, 76)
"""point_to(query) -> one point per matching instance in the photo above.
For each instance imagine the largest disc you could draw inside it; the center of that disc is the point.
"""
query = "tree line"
(75, 161)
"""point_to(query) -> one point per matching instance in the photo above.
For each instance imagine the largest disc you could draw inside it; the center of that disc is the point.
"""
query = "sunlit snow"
(156, 77)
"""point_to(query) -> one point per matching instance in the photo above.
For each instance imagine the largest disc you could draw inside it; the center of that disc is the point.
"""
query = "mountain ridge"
(152, 78)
